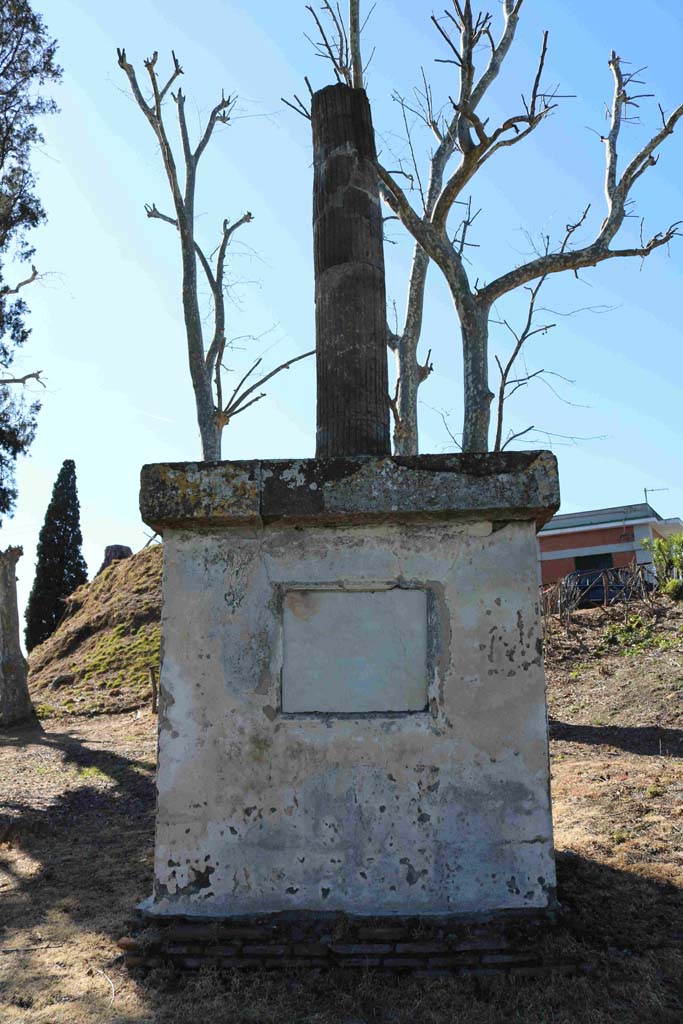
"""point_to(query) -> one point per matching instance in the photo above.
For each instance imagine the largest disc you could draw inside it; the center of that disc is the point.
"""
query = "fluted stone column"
(350, 295)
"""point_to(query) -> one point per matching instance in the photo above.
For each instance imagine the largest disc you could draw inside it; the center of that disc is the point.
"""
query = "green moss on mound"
(99, 659)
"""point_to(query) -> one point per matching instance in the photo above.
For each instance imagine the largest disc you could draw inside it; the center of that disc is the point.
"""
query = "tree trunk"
(209, 431)
(478, 396)
(350, 296)
(406, 441)
(15, 702)
(408, 381)
(409, 372)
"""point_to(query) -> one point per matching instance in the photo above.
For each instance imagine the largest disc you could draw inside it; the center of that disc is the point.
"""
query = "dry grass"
(76, 832)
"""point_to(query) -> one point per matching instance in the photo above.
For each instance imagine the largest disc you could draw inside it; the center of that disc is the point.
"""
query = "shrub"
(667, 556)
(635, 636)
(673, 589)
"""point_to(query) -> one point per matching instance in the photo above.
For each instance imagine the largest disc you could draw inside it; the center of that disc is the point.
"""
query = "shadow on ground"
(89, 840)
(651, 740)
(90, 850)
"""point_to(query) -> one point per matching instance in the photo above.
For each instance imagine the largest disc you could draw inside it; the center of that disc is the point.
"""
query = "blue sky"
(106, 318)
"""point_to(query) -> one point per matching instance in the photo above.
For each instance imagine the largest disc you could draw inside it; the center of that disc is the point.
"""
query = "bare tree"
(214, 411)
(15, 702)
(475, 141)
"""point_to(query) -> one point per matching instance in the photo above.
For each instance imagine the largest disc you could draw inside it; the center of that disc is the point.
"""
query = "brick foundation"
(421, 946)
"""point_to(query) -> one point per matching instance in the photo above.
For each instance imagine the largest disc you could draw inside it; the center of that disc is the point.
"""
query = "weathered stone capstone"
(498, 486)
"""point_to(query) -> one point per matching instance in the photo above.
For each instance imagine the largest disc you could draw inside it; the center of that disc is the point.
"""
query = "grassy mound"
(98, 660)
(619, 668)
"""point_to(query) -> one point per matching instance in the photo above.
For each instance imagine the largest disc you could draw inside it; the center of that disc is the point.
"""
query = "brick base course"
(421, 946)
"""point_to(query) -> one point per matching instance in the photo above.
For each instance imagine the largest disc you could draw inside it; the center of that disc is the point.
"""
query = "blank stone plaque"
(354, 651)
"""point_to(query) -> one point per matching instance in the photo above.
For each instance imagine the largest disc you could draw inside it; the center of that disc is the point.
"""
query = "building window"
(583, 563)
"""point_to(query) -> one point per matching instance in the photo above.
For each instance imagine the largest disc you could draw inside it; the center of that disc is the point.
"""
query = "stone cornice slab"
(498, 486)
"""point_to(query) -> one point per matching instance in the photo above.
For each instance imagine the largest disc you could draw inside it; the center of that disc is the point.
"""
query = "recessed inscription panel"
(349, 652)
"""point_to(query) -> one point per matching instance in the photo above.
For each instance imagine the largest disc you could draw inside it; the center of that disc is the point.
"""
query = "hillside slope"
(609, 669)
(98, 660)
(618, 669)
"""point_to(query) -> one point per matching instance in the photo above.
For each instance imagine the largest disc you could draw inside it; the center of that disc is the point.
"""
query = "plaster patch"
(358, 652)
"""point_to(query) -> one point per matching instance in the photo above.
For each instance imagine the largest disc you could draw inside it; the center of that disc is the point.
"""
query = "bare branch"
(135, 88)
(227, 414)
(6, 290)
(184, 134)
(424, 370)
(617, 193)
(460, 240)
(520, 339)
(215, 280)
(154, 214)
(413, 158)
(337, 49)
(154, 116)
(246, 377)
(396, 199)
(177, 70)
(298, 107)
(509, 133)
(512, 437)
(393, 404)
(354, 36)
(214, 355)
(444, 420)
(511, 9)
(35, 375)
(568, 439)
(219, 115)
(577, 259)
(236, 405)
(392, 339)
(457, 59)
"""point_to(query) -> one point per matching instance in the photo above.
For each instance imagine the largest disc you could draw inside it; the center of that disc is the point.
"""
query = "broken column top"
(499, 486)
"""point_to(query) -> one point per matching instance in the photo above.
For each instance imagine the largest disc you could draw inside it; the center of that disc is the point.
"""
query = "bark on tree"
(350, 295)
(15, 702)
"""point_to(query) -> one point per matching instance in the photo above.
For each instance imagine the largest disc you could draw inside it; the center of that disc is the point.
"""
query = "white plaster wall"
(441, 811)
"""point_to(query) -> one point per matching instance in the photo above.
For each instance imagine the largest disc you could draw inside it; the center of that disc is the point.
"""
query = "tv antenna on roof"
(653, 490)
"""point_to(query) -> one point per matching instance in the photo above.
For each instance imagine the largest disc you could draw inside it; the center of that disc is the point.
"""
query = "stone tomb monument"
(352, 714)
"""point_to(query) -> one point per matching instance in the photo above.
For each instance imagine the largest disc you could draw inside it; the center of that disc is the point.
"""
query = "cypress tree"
(60, 566)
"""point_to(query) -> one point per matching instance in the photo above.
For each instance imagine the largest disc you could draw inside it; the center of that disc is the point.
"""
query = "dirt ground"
(76, 834)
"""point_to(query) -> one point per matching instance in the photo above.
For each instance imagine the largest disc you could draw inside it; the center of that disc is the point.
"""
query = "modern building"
(604, 538)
